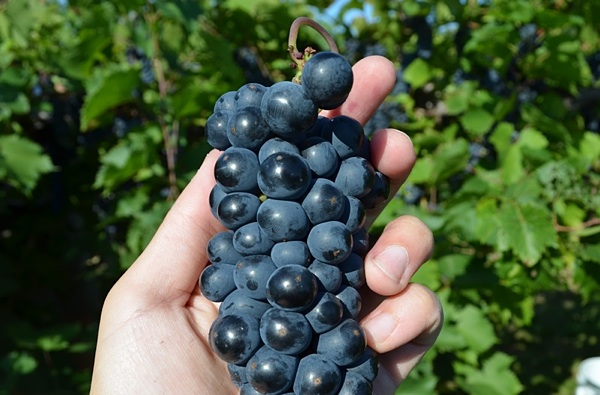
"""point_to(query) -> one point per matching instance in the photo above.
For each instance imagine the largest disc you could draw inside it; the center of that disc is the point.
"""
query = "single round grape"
(246, 128)
(294, 252)
(355, 176)
(236, 169)
(251, 275)
(237, 374)
(360, 242)
(284, 176)
(326, 313)
(353, 271)
(216, 194)
(286, 332)
(216, 129)
(283, 220)
(330, 242)
(327, 78)
(351, 300)
(237, 209)
(287, 109)
(292, 288)
(226, 102)
(323, 202)
(220, 249)
(271, 372)
(238, 302)
(320, 156)
(216, 281)
(355, 384)
(329, 277)
(276, 145)
(234, 337)
(251, 240)
(347, 135)
(317, 375)
(344, 344)
(367, 365)
(354, 215)
(380, 191)
(249, 95)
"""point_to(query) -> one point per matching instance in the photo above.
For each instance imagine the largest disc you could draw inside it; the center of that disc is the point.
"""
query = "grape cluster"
(292, 189)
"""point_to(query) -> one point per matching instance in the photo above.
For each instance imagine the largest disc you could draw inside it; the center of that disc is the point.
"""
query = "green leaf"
(22, 362)
(417, 73)
(24, 162)
(495, 377)
(525, 229)
(110, 90)
(477, 121)
(475, 328)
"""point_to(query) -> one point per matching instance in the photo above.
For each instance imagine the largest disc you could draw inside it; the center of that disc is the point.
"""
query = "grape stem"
(300, 58)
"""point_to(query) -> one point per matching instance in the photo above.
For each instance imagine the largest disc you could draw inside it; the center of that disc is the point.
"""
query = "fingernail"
(380, 327)
(392, 261)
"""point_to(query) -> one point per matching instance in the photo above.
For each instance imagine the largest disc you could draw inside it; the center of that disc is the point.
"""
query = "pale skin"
(153, 336)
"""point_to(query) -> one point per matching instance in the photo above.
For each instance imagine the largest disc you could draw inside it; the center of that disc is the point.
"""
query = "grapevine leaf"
(417, 73)
(113, 89)
(24, 161)
(478, 332)
(495, 377)
(525, 229)
(477, 121)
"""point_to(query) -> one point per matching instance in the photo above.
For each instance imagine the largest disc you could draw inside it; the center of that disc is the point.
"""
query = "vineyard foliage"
(102, 108)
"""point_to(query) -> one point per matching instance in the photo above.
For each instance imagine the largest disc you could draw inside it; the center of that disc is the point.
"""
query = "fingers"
(402, 328)
(374, 79)
(405, 244)
(393, 154)
(172, 262)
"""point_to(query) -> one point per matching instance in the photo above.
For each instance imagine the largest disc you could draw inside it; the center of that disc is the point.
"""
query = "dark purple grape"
(323, 202)
(326, 313)
(234, 337)
(284, 176)
(317, 375)
(347, 135)
(283, 220)
(238, 209)
(329, 277)
(249, 95)
(246, 128)
(271, 372)
(367, 365)
(236, 170)
(216, 281)
(251, 240)
(320, 156)
(286, 332)
(276, 145)
(355, 384)
(287, 109)
(353, 271)
(226, 102)
(327, 78)
(216, 130)
(293, 252)
(354, 215)
(360, 242)
(220, 249)
(380, 191)
(238, 302)
(351, 300)
(292, 288)
(330, 242)
(237, 374)
(216, 194)
(344, 344)
(251, 275)
(355, 176)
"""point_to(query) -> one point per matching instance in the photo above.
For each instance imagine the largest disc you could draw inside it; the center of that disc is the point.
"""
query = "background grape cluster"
(293, 189)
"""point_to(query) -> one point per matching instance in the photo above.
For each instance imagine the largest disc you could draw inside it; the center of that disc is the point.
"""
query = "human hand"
(153, 335)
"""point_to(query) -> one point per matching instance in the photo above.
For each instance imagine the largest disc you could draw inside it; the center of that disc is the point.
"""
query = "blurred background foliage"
(102, 107)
